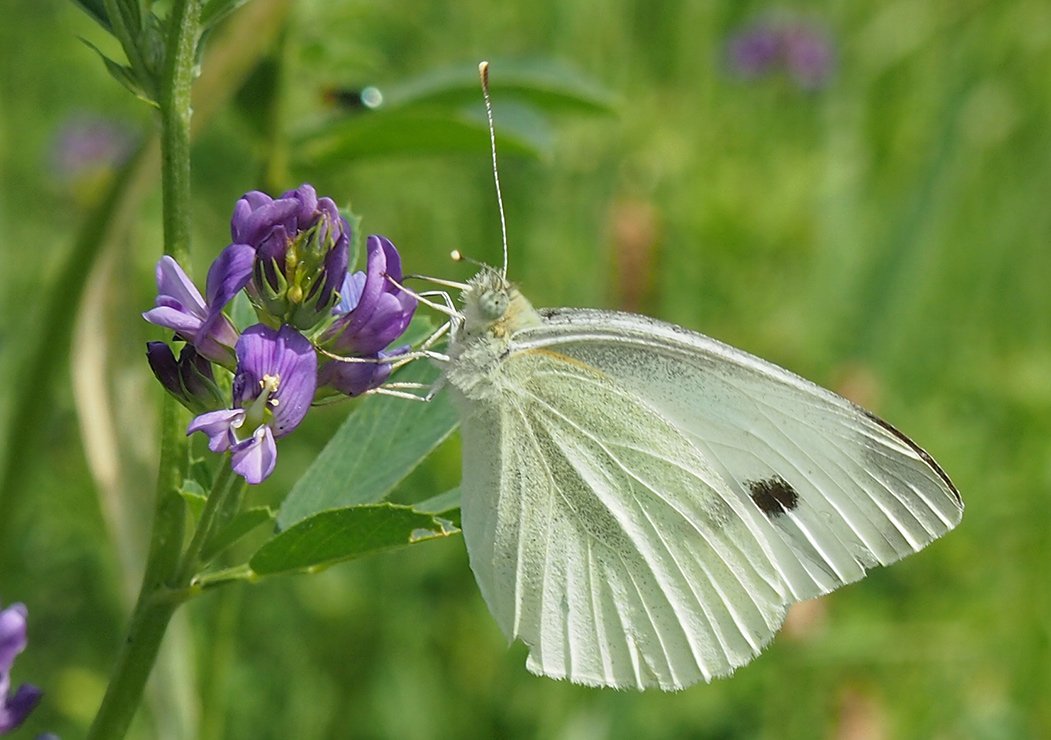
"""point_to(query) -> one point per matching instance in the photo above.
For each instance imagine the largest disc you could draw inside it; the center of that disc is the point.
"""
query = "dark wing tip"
(918, 450)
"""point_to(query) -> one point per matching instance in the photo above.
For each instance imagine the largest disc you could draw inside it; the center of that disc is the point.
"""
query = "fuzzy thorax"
(493, 310)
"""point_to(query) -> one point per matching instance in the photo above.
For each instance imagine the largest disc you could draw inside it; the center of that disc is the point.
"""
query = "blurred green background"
(885, 232)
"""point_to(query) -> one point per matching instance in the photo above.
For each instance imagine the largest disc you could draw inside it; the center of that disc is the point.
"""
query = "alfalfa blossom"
(372, 312)
(180, 307)
(803, 50)
(301, 246)
(190, 379)
(373, 309)
(87, 145)
(273, 387)
(290, 255)
(16, 707)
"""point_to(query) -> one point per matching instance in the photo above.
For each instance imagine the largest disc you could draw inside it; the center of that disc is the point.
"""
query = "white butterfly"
(641, 503)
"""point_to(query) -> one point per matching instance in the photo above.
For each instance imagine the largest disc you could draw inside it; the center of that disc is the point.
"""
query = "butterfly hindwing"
(602, 537)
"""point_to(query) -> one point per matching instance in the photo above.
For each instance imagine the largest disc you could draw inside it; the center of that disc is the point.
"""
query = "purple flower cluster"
(803, 50)
(14, 708)
(88, 144)
(290, 255)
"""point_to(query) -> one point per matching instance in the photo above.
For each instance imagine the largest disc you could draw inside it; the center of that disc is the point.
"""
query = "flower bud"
(302, 246)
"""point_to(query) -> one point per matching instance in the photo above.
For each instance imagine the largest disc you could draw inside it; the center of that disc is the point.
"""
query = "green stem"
(165, 570)
(158, 600)
(134, 663)
(226, 485)
(174, 101)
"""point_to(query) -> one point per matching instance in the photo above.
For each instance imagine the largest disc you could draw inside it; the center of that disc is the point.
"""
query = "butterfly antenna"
(483, 72)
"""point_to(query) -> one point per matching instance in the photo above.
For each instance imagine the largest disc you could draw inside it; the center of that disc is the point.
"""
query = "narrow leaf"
(241, 311)
(132, 15)
(446, 504)
(215, 10)
(344, 534)
(97, 10)
(237, 528)
(380, 443)
(194, 497)
(384, 134)
(124, 75)
(549, 85)
(440, 504)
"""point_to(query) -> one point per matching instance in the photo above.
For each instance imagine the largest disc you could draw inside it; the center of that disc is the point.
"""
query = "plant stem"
(154, 607)
(226, 484)
(174, 102)
(158, 600)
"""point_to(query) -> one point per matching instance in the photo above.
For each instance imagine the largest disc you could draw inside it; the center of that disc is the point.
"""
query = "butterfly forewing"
(844, 489)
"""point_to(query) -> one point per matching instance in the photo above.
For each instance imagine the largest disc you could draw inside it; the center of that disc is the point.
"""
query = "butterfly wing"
(602, 537)
(641, 502)
(845, 490)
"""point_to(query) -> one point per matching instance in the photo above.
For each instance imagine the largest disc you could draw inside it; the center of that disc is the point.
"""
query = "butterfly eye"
(493, 304)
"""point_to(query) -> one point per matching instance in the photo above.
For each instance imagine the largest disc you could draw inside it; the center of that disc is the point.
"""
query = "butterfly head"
(493, 306)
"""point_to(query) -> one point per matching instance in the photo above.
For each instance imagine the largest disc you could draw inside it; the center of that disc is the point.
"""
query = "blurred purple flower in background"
(754, 51)
(15, 708)
(272, 390)
(803, 50)
(87, 144)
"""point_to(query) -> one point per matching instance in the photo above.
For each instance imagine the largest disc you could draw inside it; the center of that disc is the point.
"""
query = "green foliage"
(333, 536)
(380, 443)
(886, 235)
(437, 112)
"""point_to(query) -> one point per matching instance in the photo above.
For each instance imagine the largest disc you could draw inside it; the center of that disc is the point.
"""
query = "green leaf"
(125, 75)
(215, 10)
(440, 504)
(243, 523)
(409, 133)
(344, 534)
(547, 84)
(241, 311)
(381, 442)
(419, 328)
(446, 504)
(357, 239)
(194, 496)
(131, 13)
(97, 10)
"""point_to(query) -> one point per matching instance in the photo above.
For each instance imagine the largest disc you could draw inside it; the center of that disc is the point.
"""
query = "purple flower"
(87, 145)
(180, 307)
(809, 55)
(803, 50)
(301, 246)
(754, 51)
(372, 311)
(189, 379)
(354, 378)
(15, 708)
(272, 389)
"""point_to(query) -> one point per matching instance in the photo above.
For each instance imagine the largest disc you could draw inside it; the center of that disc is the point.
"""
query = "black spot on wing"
(773, 496)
